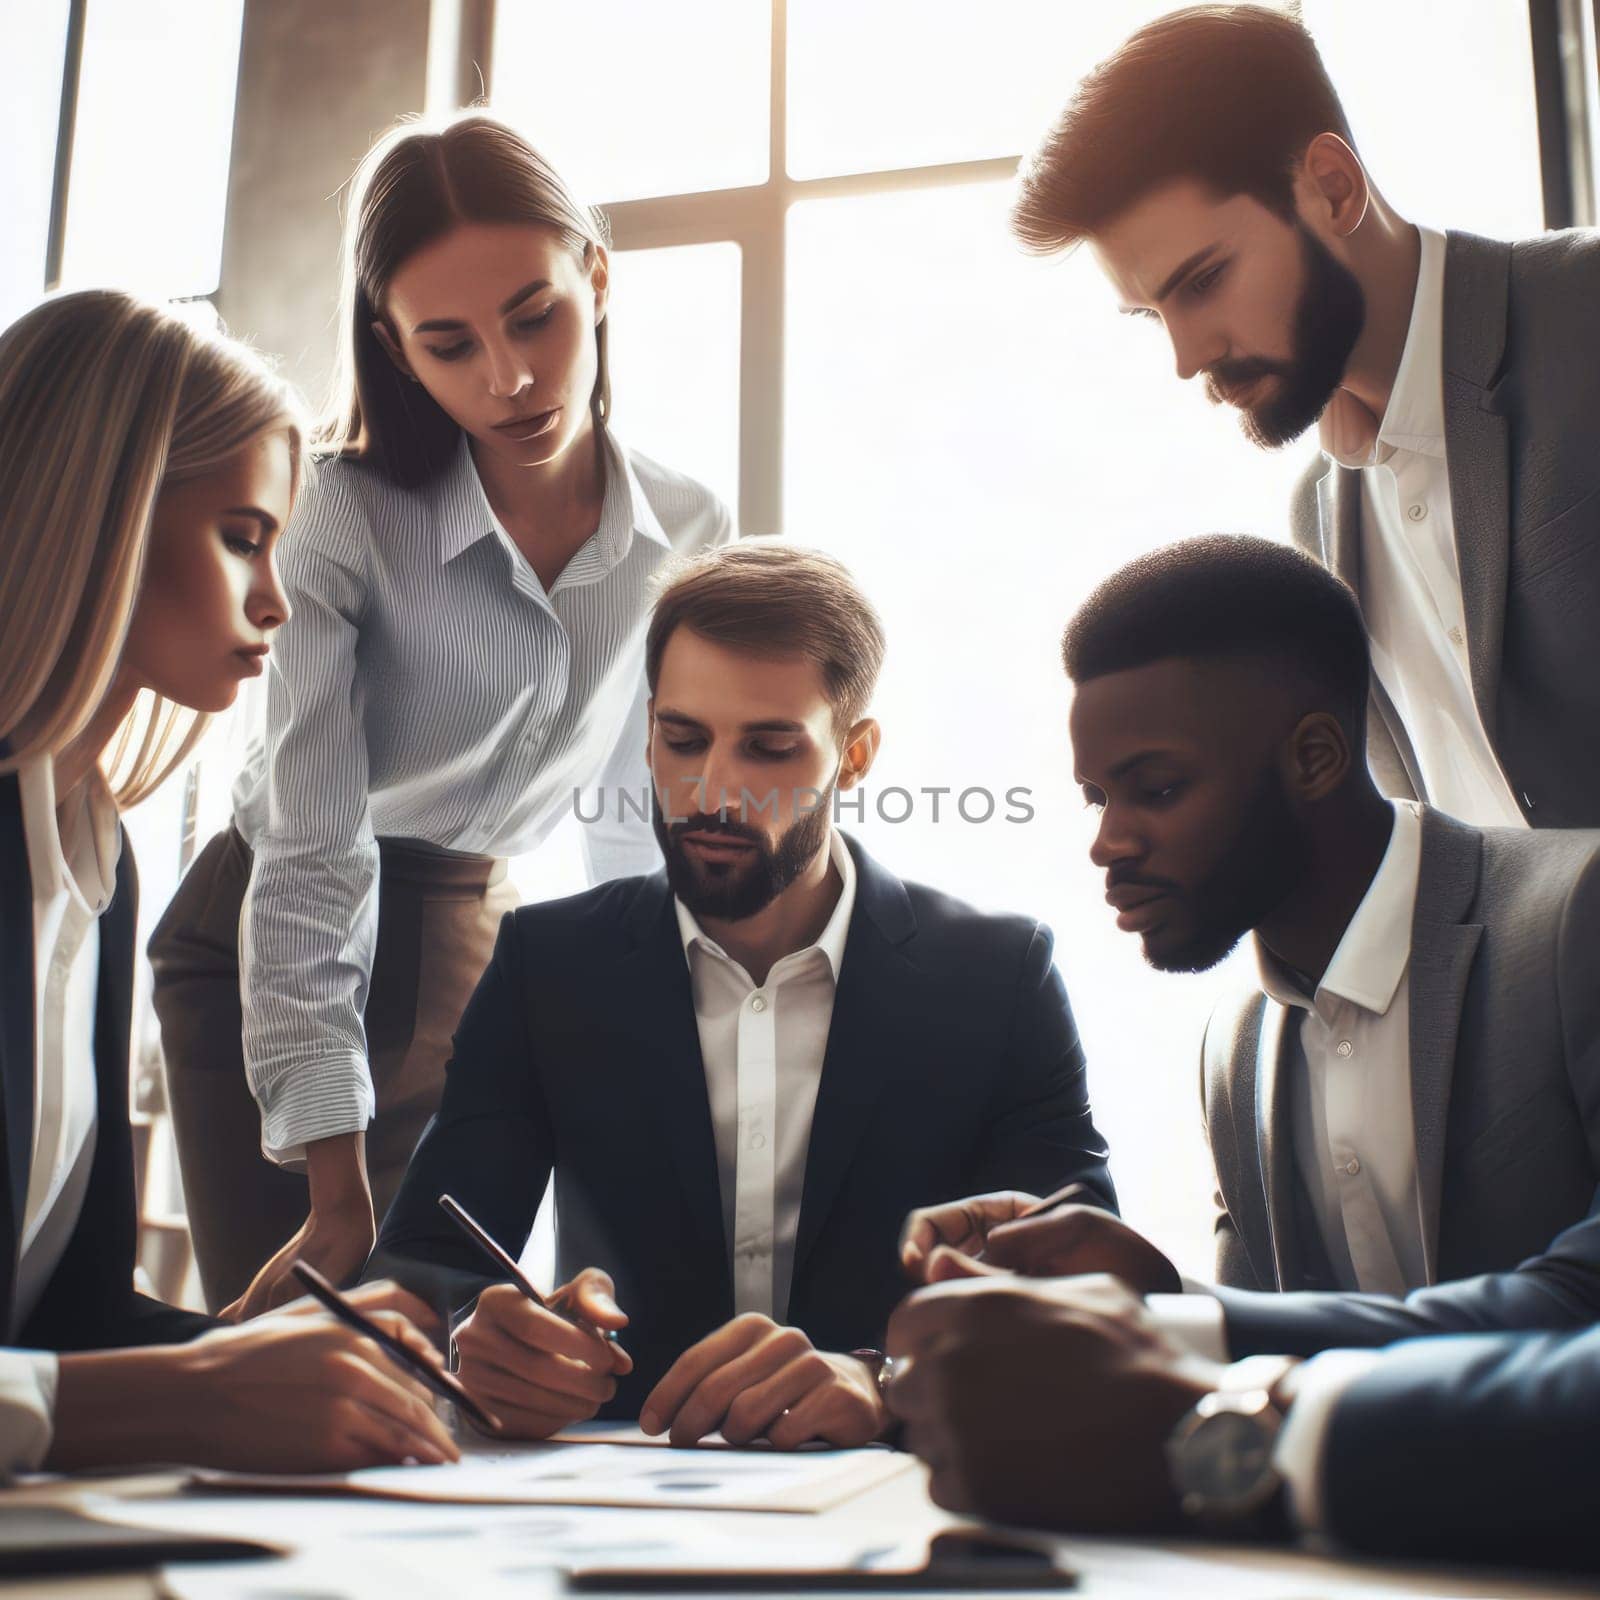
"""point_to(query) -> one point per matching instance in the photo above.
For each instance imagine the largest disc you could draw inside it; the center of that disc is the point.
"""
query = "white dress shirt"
(428, 687)
(1349, 1080)
(1410, 575)
(72, 861)
(762, 1048)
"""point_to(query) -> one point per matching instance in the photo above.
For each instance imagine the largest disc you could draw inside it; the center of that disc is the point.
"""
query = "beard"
(1263, 864)
(733, 890)
(1328, 320)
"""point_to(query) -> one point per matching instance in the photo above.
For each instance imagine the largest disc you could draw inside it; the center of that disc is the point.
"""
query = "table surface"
(1107, 1567)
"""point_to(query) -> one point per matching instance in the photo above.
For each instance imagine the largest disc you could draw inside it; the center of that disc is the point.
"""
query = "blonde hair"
(104, 400)
(413, 186)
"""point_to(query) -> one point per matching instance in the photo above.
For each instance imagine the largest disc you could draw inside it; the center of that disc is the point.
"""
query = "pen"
(485, 1241)
(442, 1383)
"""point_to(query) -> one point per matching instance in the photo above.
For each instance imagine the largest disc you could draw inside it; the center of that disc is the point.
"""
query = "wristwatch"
(880, 1365)
(1220, 1455)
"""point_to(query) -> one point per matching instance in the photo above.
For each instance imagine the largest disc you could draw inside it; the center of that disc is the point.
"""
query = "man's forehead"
(1172, 701)
(1142, 246)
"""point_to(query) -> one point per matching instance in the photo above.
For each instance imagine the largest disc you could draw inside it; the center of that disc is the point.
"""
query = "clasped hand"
(751, 1378)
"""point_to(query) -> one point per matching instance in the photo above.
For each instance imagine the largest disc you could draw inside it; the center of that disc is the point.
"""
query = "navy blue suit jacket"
(89, 1303)
(1473, 1447)
(952, 1067)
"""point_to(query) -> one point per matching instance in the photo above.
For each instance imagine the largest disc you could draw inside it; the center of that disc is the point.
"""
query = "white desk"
(1109, 1568)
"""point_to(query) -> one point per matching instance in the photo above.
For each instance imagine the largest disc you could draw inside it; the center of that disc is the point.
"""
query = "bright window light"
(150, 154)
(910, 83)
(674, 346)
(981, 438)
(33, 44)
(1415, 79)
(634, 97)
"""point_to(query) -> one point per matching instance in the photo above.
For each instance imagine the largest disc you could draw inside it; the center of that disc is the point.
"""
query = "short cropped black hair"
(1227, 596)
(1230, 95)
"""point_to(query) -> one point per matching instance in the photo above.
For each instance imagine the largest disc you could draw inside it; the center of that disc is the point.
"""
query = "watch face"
(1225, 1461)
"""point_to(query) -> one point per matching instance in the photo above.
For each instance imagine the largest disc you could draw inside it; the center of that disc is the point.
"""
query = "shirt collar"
(1372, 957)
(1414, 417)
(465, 515)
(76, 853)
(831, 941)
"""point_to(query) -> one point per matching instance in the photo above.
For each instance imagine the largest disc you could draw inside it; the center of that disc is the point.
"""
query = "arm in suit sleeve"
(490, 1145)
(1472, 1448)
(1556, 1290)
(1041, 1134)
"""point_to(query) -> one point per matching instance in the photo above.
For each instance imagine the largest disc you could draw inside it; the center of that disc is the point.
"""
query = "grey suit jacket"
(1505, 1084)
(1522, 410)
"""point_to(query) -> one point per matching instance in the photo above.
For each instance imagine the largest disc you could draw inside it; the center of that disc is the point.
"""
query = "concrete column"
(318, 81)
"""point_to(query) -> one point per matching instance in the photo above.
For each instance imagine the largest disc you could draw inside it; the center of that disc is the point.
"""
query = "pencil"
(487, 1243)
(442, 1383)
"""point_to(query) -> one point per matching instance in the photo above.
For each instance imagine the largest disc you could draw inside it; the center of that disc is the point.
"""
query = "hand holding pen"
(1067, 1234)
(424, 1368)
(542, 1364)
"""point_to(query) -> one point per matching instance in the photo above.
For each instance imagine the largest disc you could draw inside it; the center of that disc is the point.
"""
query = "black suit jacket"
(952, 1066)
(1479, 1447)
(89, 1303)
(1521, 393)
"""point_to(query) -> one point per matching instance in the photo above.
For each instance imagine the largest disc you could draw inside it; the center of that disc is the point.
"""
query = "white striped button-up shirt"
(428, 687)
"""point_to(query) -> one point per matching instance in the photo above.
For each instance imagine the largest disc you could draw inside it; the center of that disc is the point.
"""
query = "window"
(633, 97)
(33, 47)
(151, 145)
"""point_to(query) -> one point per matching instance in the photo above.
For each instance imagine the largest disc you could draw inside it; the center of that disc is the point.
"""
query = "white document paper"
(608, 1475)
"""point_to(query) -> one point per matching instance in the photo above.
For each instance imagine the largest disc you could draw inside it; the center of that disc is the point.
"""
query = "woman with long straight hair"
(145, 470)
(470, 575)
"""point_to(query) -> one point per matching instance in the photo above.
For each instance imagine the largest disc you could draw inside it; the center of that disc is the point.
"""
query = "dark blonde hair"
(1230, 95)
(104, 401)
(770, 598)
(414, 186)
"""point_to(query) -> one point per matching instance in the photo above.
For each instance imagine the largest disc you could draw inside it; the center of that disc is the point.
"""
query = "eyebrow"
(679, 719)
(450, 324)
(1128, 763)
(1177, 275)
(269, 523)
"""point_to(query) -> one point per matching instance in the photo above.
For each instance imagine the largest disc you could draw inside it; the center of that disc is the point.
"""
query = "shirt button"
(1416, 511)
(758, 1004)
(1345, 1049)
(758, 1141)
(1454, 636)
(1352, 1166)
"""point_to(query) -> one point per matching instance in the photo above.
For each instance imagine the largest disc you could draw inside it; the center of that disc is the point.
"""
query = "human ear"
(599, 279)
(860, 751)
(381, 332)
(1319, 756)
(1334, 185)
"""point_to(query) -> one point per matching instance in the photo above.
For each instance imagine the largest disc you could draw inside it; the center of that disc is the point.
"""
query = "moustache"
(1226, 377)
(712, 825)
(1116, 879)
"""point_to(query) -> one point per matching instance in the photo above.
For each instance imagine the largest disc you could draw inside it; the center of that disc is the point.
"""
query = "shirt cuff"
(27, 1409)
(1195, 1321)
(314, 1102)
(1319, 1385)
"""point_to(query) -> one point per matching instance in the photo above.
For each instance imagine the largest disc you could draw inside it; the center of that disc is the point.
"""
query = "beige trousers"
(438, 917)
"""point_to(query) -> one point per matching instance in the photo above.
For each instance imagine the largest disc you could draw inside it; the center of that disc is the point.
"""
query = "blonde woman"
(145, 470)
(470, 576)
